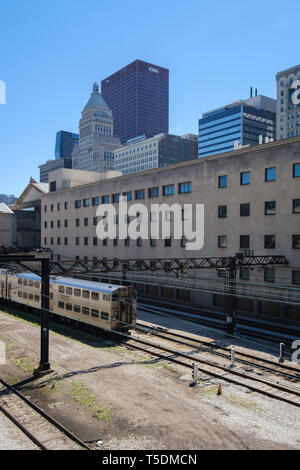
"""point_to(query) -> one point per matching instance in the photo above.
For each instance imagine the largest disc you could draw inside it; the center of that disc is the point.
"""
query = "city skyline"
(47, 85)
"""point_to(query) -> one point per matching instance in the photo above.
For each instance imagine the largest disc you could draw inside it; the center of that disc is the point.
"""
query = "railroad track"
(41, 428)
(286, 371)
(267, 386)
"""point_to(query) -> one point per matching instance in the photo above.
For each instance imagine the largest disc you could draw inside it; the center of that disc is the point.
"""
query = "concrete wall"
(6, 229)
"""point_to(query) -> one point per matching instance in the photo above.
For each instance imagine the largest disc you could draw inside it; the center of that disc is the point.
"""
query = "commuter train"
(106, 306)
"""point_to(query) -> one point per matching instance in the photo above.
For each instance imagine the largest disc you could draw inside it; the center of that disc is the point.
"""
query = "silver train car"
(106, 306)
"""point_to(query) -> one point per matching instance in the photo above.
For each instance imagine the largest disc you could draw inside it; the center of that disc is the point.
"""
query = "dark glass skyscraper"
(64, 144)
(138, 96)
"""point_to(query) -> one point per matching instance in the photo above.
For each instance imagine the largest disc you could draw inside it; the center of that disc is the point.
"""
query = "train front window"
(36, 298)
(61, 289)
(25, 282)
(106, 297)
(20, 282)
(86, 294)
(95, 313)
(95, 296)
(31, 283)
(37, 284)
(69, 290)
(77, 292)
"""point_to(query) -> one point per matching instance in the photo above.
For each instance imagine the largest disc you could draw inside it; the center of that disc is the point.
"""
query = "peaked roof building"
(96, 136)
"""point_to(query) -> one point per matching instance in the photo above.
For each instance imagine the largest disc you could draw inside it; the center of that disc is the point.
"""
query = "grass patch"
(243, 402)
(25, 364)
(167, 366)
(82, 395)
(54, 385)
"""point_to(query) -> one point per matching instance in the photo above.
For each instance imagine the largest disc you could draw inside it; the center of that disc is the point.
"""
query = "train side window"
(106, 297)
(36, 298)
(25, 282)
(69, 290)
(86, 294)
(61, 289)
(19, 293)
(30, 296)
(104, 315)
(85, 311)
(31, 283)
(61, 305)
(20, 282)
(77, 308)
(69, 307)
(24, 295)
(77, 292)
(95, 313)
(95, 296)
(37, 284)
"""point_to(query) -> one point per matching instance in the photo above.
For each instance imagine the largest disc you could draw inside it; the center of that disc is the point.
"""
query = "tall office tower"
(240, 123)
(288, 103)
(138, 96)
(64, 144)
(96, 140)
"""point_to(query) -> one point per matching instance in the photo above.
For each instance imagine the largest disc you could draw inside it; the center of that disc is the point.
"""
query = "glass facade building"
(138, 96)
(240, 122)
(64, 144)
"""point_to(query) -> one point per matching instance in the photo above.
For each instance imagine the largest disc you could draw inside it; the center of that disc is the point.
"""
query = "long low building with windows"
(251, 202)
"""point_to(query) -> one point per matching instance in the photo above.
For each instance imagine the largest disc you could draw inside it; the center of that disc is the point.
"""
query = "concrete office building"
(7, 199)
(138, 96)
(97, 143)
(161, 150)
(243, 121)
(52, 165)
(288, 103)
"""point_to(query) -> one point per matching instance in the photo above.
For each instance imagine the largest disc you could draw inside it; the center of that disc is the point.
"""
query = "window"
(139, 242)
(95, 220)
(77, 292)
(106, 297)
(222, 241)
(296, 206)
(140, 194)
(95, 313)
(86, 222)
(115, 242)
(269, 275)
(222, 211)
(244, 241)
(152, 242)
(270, 241)
(244, 274)
(45, 208)
(36, 298)
(52, 186)
(86, 294)
(270, 174)
(153, 192)
(52, 207)
(128, 195)
(104, 315)
(296, 242)
(61, 305)
(86, 203)
(85, 311)
(270, 208)
(66, 240)
(115, 197)
(95, 201)
(185, 187)
(104, 242)
(77, 204)
(61, 289)
(58, 241)
(66, 223)
(45, 241)
(296, 170)
(168, 242)
(69, 290)
(169, 190)
(58, 206)
(245, 210)
(77, 222)
(66, 205)
(126, 242)
(95, 241)
(77, 241)
(77, 308)
(223, 181)
(104, 199)
(95, 295)
(245, 177)
(69, 307)
(58, 224)
(296, 278)
(86, 241)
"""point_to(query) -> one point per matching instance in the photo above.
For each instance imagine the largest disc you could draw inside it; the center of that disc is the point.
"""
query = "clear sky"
(51, 51)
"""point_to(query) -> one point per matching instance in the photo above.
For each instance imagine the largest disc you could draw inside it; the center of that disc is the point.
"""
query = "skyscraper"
(243, 121)
(288, 103)
(64, 144)
(96, 136)
(138, 96)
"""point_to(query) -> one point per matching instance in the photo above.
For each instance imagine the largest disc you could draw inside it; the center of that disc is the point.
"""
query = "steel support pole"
(231, 297)
(45, 294)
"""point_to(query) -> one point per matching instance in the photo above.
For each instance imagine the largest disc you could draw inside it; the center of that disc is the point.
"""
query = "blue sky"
(51, 51)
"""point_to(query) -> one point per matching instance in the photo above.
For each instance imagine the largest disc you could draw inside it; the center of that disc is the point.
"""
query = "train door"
(127, 307)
